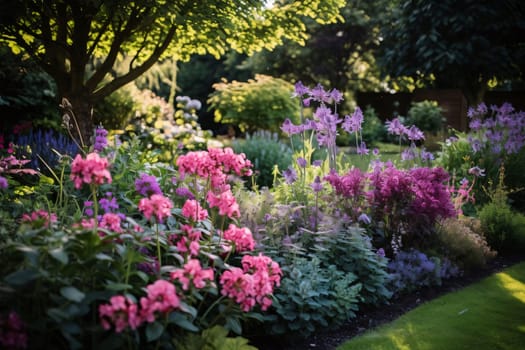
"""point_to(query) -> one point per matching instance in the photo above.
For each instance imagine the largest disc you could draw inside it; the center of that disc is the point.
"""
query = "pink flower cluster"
(192, 210)
(122, 312)
(157, 205)
(242, 238)
(39, 218)
(214, 165)
(111, 221)
(193, 274)
(12, 332)
(253, 284)
(92, 170)
(188, 242)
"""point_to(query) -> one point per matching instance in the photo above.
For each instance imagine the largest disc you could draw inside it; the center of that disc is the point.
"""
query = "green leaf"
(181, 321)
(19, 278)
(234, 325)
(60, 255)
(154, 331)
(118, 286)
(102, 256)
(72, 293)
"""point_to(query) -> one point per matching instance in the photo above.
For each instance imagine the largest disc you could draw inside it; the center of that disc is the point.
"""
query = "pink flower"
(120, 312)
(193, 273)
(238, 286)
(157, 205)
(39, 218)
(92, 170)
(111, 221)
(226, 203)
(161, 298)
(194, 211)
(241, 237)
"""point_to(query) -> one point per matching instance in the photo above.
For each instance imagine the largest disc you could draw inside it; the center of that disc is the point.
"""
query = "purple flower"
(3, 182)
(475, 124)
(319, 94)
(88, 210)
(426, 156)
(301, 162)
(375, 151)
(364, 219)
(476, 171)
(289, 128)
(361, 149)
(317, 186)
(415, 134)
(184, 192)
(300, 90)
(108, 204)
(353, 123)
(408, 154)
(317, 162)
(336, 95)
(147, 185)
(381, 252)
(395, 127)
(101, 140)
(290, 175)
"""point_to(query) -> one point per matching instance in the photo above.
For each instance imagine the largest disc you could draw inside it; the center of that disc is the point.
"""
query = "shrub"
(313, 297)
(259, 104)
(411, 270)
(461, 240)
(426, 115)
(503, 228)
(265, 150)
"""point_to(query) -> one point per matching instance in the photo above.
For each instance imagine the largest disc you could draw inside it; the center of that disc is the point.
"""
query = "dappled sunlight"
(515, 287)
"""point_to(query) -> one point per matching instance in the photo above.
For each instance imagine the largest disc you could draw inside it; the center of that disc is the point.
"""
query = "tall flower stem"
(158, 244)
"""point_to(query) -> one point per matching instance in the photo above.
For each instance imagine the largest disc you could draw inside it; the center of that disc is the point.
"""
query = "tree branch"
(139, 70)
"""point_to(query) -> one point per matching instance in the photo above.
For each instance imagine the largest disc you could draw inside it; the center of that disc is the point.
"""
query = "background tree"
(456, 44)
(79, 42)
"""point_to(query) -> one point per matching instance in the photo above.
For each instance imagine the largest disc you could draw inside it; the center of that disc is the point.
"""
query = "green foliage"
(503, 228)
(117, 109)
(351, 251)
(313, 297)
(455, 45)
(266, 151)
(426, 115)
(163, 131)
(262, 103)
(215, 338)
(462, 241)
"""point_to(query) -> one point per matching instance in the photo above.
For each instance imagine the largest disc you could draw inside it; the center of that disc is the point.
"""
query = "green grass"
(487, 315)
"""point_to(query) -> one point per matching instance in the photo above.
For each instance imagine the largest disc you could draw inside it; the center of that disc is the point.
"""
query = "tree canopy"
(80, 42)
(456, 44)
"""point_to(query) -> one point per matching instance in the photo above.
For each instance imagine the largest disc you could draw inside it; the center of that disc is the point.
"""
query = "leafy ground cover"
(486, 314)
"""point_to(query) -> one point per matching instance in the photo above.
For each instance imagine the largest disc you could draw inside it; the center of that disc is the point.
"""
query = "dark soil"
(372, 317)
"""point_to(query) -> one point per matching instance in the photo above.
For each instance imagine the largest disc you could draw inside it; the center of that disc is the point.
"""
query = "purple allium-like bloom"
(375, 151)
(3, 182)
(289, 128)
(317, 162)
(101, 140)
(146, 185)
(319, 94)
(426, 156)
(336, 95)
(88, 208)
(395, 127)
(475, 144)
(414, 134)
(475, 124)
(364, 219)
(300, 90)
(353, 123)
(408, 154)
(317, 186)
(361, 149)
(301, 162)
(381, 252)
(476, 171)
(290, 175)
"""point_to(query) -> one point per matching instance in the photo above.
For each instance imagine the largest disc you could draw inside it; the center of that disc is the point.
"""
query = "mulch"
(372, 317)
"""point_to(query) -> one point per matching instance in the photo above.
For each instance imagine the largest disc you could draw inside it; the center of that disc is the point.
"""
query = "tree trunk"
(474, 92)
(79, 111)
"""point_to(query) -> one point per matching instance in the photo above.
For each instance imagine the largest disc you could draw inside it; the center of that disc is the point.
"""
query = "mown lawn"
(487, 315)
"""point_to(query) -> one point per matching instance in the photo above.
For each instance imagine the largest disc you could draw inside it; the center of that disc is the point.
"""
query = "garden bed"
(373, 317)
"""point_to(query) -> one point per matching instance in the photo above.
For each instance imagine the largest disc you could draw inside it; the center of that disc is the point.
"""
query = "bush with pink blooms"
(125, 253)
